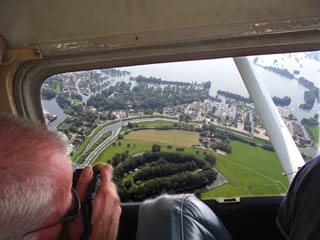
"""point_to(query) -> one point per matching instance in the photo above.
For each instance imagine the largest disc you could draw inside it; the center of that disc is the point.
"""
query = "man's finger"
(83, 183)
(105, 174)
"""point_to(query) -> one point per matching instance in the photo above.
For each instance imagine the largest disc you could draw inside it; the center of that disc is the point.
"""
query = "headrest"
(179, 217)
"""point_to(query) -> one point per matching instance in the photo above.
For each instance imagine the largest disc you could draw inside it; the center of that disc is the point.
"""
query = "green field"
(251, 171)
(156, 123)
(315, 133)
(137, 147)
(162, 123)
(176, 137)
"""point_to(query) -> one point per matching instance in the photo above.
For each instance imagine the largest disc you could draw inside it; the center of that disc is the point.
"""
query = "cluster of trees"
(163, 170)
(306, 83)
(268, 147)
(188, 127)
(64, 100)
(107, 116)
(225, 136)
(153, 80)
(310, 97)
(156, 148)
(185, 118)
(224, 146)
(242, 139)
(182, 182)
(234, 96)
(285, 101)
(119, 158)
(131, 125)
(139, 161)
(81, 120)
(162, 173)
(311, 122)
(145, 98)
(283, 72)
(47, 93)
(51, 87)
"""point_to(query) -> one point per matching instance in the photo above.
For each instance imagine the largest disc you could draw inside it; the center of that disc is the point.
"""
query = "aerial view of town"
(170, 136)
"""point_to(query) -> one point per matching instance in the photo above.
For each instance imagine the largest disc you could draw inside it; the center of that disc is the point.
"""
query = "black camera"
(86, 204)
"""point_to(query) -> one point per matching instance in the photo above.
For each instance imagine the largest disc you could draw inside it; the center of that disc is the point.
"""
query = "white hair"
(27, 182)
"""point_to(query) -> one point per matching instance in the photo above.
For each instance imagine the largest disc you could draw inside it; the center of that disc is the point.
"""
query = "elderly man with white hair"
(37, 200)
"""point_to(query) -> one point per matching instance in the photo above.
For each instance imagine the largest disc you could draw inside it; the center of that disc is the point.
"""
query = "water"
(84, 97)
(222, 73)
(52, 106)
(224, 76)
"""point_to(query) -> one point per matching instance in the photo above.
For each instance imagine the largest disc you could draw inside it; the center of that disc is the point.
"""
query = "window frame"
(29, 76)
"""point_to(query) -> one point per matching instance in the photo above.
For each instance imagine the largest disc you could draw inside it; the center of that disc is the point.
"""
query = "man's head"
(35, 179)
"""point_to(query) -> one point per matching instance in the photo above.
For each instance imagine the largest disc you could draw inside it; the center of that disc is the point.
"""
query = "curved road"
(115, 129)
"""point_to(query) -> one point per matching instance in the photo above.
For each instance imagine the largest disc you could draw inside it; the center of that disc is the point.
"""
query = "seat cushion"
(180, 217)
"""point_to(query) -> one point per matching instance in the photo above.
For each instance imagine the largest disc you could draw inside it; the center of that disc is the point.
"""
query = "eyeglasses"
(69, 216)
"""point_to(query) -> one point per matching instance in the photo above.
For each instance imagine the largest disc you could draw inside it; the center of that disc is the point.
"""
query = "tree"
(285, 101)
(156, 148)
(210, 159)
(224, 146)
(268, 147)
(179, 149)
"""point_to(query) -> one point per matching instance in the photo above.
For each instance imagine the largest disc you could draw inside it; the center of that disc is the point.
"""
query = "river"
(52, 107)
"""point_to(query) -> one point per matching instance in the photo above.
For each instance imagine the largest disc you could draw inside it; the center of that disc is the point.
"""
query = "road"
(115, 129)
(310, 151)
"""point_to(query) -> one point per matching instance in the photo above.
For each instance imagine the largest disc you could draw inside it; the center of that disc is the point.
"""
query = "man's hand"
(106, 206)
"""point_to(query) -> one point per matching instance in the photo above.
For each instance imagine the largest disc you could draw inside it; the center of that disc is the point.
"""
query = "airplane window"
(186, 126)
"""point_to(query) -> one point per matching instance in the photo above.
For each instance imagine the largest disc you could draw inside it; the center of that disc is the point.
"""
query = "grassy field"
(157, 123)
(137, 147)
(162, 123)
(315, 133)
(175, 137)
(251, 171)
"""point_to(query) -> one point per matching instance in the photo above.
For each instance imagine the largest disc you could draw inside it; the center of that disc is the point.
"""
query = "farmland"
(176, 137)
(251, 171)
